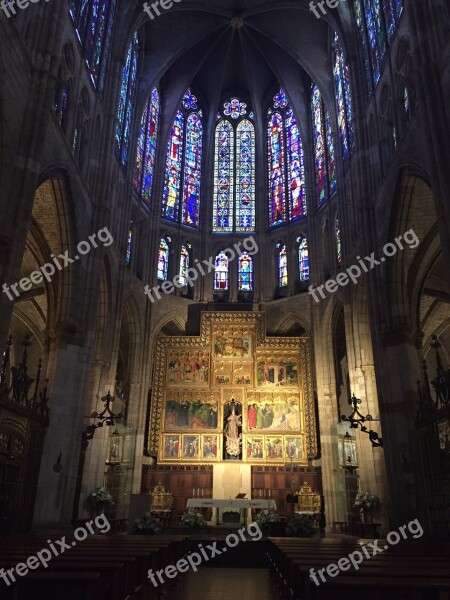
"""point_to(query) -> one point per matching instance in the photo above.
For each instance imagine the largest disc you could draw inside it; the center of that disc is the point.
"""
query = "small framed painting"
(255, 448)
(210, 447)
(274, 447)
(191, 447)
(171, 447)
(293, 447)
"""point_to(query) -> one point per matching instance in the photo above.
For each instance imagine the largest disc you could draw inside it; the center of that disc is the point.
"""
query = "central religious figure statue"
(231, 432)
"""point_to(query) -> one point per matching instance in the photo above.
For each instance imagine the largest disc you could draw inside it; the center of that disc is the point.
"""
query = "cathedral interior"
(223, 246)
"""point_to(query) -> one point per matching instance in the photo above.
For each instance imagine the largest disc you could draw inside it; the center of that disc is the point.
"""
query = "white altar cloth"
(232, 503)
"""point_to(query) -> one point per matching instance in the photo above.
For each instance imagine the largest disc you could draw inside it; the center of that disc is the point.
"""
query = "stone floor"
(225, 584)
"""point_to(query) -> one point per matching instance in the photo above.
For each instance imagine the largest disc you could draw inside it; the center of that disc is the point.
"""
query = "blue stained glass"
(245, 176)
(181, 199)
(280, 99)
(360, 22)
(174, 157)
(146, 148)
(296, 169)
(127, 101)
(389, 17)
(93, 20)
(129, 244)
(235, 108)
(282, 267)
(163, 260)
(343, 98)
(221, 272)
(184, 266)
(331, 159)
(303, 260)
(245, 273)
(276, 166)
(224, 178)
(338, 242)
(319, 146)
(189, 100)
(192, 171)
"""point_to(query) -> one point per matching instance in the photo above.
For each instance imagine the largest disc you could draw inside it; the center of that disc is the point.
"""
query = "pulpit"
(161, 502)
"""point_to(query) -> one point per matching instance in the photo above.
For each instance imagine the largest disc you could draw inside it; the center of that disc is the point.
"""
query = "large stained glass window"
(234, 169)
(303, 259)
(93, 21)
(282, 265)
(184, 265)
(324, 156)
(376, 21)
(245, 273)
(221, 273)
(343, 98)
(127, 101)
(163, 260)
(286, 167)
(146, 149)
(181, 196)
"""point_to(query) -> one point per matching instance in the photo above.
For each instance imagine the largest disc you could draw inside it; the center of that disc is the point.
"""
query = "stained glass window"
(163, 260)
(127, 101)
(181, 196)
(184, 265)
(343, 98)
(93, 20)
(338, 242)
(221, 273)
(303, 259)
(277, 190)
(377, 21)
(234, 171)
(245, 273)
(282, 267)
(245, 176)
(146, 149)
(324, 156)
(406, 101)
(60, 105)
(286, 166)
(129, 245)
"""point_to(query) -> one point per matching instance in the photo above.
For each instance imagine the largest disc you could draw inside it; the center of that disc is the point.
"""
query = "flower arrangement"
(267, 515)
(99, 499)
(148, 524)
(193, 518)
(365, 501)
(300, 526)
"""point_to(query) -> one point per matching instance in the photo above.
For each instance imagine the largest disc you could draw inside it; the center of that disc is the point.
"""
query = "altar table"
(232, 504)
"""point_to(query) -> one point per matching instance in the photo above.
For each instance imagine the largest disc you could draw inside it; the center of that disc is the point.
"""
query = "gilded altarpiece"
(232, 364)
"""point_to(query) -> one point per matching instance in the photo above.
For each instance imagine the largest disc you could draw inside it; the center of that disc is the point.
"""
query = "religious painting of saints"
(190, 413)
(293, 448)
(171, 447)
(223, 372)
(187, 368)
(274, 447)
(231, 344)
(209, 447)
(191, 447)
(274, 414)
(255, 448)
(275, 372)
(242, 373)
